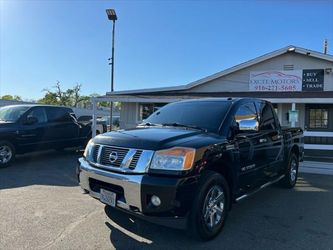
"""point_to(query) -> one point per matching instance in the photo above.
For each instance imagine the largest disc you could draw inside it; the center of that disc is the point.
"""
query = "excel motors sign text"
(287, 81)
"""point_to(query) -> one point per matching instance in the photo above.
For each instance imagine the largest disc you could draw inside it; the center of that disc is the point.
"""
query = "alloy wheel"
(213, 206)
(5, 154)
(293, 170)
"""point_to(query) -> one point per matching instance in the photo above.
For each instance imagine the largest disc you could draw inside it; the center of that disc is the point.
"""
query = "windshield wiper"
(176, 124)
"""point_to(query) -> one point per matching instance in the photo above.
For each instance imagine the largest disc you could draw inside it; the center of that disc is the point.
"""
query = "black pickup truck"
(27, 128)
(190, 160)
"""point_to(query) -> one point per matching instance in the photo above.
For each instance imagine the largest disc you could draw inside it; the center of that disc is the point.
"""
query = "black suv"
(26, 128)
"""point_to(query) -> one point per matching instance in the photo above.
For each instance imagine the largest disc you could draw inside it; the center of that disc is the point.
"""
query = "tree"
(116, 105)
(70, 97)
(85, 101)
(11, 98)
(49, 98)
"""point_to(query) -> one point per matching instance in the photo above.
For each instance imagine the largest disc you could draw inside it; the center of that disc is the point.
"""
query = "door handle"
(262, 140)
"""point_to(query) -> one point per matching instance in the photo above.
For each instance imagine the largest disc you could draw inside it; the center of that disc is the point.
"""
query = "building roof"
(288, 49)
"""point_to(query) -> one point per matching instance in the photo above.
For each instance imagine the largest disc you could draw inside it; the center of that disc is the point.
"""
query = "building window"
(318, 118)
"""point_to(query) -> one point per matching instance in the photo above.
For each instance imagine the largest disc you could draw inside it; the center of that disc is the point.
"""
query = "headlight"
(173, 159)
(88, 149)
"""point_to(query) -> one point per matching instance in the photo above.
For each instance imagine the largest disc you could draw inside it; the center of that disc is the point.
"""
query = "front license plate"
(108, 197)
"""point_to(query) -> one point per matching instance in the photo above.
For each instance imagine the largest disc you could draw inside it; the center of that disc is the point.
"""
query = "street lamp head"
(111, 14)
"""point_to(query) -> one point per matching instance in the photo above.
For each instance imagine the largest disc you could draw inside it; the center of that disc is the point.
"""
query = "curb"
(316, 167)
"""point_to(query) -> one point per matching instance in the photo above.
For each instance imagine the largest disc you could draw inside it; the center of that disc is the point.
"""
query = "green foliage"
(70, 97)
(11, 98)
(49, 98)
(116, 105)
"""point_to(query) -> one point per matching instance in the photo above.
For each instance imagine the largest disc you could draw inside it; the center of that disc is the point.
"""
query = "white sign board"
(293, 115)
(275, 80)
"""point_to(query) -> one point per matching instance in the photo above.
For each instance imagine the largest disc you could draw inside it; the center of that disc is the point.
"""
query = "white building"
(299, 82)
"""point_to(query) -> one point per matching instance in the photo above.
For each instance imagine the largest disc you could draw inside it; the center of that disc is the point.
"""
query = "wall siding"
(128, 115)
(239, 80)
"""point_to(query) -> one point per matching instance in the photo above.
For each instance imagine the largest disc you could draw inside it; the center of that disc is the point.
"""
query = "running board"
(258, 189)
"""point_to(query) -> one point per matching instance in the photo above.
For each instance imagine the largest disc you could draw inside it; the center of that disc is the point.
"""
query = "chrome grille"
(128, 159)
(95, 152)
(135, 159)
(105, 155)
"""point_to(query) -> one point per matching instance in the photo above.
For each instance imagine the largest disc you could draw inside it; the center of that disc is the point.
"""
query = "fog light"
(155, 200)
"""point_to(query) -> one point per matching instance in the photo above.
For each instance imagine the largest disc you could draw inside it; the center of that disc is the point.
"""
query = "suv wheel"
(7, 153)
(210, 207)
(290, 179)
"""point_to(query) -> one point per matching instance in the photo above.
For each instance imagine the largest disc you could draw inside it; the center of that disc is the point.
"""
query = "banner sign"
(274, 80)
(287, 80)
(313, 80)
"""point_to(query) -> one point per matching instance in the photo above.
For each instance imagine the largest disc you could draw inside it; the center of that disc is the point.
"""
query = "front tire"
(210, 208)
(7, 153)
(290, 179)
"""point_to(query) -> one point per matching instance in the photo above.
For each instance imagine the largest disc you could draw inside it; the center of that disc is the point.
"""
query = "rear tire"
(7, 153)
(210, 207)
(290, 179)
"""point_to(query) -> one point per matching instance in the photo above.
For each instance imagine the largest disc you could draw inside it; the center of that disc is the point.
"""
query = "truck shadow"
(41, 168)
(275, 218)
(130, 232)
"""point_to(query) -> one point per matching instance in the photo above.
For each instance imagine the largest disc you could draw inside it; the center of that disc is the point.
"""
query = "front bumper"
(134, 191)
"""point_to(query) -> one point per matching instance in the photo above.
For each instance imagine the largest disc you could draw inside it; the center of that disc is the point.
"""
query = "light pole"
(111, 13)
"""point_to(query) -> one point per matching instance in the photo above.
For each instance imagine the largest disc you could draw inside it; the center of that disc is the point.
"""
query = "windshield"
(203, 114)
(12, 113)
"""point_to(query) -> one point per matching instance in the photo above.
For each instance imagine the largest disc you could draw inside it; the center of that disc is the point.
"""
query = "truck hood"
(154, 138)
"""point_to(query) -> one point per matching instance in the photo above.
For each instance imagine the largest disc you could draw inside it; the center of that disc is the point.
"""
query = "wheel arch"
(294, 149)
(11, 140)
(228, 171)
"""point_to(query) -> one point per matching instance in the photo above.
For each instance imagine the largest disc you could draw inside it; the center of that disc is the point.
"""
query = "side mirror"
(248, 125)
(31, 120)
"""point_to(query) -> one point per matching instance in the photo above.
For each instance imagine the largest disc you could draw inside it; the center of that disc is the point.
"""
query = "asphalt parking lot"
(42, 207)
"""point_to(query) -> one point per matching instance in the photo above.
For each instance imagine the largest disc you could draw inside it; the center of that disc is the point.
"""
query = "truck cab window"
(56, 114)
(39, 113)
(267, 120)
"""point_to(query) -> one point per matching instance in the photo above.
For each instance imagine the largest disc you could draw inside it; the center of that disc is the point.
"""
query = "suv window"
(246, 112)
(39, 113)
(267, 120)
(58, 115)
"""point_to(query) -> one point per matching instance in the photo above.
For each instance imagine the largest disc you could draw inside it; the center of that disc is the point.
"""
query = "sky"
(157, 43)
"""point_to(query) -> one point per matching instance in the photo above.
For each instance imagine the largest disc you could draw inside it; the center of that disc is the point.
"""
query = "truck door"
(271, 141)
(62, 130)
(250, 149)
(32, 135)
